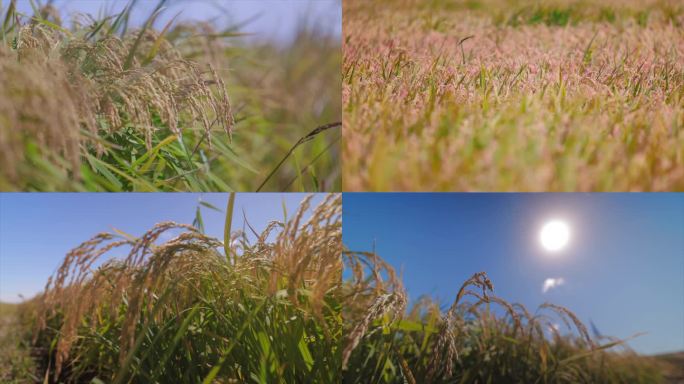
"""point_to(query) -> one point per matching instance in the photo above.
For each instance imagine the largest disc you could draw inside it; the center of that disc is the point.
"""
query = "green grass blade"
(245, 326)
(148, 24)
(158, 41)
(124, 370)
(153, 152)
(209, 205)
(301, 141)
(182, 330)
(227, 226)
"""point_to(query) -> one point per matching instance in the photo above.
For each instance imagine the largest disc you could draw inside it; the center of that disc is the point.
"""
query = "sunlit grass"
(480, 95)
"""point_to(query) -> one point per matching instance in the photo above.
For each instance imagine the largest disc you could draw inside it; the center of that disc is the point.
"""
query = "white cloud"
(554, 327)
(552, 283)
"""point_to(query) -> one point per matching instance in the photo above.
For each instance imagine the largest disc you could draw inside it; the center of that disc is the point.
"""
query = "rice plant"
(494, 95)
(100, 106)
(478, 338)
(258, 307)
(287, 305)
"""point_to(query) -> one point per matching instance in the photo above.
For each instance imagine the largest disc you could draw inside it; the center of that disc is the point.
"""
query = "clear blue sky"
(623, 267)
(38, 229)
(276, 20)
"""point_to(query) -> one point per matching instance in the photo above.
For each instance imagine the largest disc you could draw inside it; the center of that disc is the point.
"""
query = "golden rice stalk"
(369, 298)
(102, 88)
(302, 256)
(451, 324)
(564, 312)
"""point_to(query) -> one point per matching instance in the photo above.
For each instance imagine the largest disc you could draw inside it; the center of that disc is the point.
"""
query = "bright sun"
(554, 235)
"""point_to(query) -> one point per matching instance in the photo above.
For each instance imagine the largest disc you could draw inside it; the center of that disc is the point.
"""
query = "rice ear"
(99, 94)
(302, 257)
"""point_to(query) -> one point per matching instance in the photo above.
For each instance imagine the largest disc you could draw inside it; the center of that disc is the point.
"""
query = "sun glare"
(554, 235)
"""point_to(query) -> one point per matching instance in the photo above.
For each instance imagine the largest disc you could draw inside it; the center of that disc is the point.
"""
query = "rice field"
(193, 309)
(493, 95)
(417, 95)
(94, 103)
(477, 338)
(290, 304)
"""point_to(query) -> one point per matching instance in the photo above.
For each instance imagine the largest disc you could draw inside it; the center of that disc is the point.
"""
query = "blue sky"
(623, 267)
(275, 20)
(38, 229)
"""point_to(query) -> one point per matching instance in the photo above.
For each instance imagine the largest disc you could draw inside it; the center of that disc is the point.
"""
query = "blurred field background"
(496, 95)
(140, 97)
